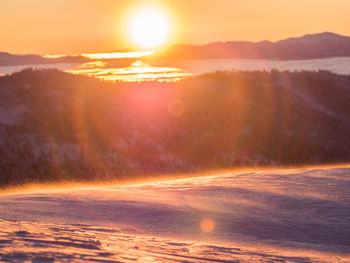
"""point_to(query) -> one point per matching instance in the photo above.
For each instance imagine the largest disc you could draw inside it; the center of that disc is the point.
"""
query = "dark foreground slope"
(57, 126)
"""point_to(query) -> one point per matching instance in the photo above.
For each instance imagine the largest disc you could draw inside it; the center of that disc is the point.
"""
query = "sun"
(149, 28)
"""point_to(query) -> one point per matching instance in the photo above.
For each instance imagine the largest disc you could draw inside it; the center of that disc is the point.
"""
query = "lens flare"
(207, 225)
(176, 108)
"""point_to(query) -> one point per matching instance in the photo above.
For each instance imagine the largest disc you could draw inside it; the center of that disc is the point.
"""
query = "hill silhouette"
(7, 59)
(57, 126)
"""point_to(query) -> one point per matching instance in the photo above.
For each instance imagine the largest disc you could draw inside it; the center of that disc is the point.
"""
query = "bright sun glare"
(149, 28)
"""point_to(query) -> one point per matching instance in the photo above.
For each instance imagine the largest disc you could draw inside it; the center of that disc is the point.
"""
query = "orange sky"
(78, 26)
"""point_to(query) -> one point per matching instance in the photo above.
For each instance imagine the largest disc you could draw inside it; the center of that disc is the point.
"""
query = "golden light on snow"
(149, 27)
(137, 71)
(207, 225)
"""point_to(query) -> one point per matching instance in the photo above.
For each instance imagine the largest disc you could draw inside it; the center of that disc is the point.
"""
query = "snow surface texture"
(300, 215)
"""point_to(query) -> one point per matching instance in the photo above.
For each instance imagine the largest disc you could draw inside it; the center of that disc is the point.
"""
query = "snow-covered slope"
(300, 215)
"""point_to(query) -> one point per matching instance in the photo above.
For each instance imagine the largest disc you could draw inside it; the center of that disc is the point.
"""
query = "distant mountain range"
(321, 45)
(7, 59)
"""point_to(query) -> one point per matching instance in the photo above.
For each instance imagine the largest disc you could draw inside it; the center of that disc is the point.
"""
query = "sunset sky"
(78, 26)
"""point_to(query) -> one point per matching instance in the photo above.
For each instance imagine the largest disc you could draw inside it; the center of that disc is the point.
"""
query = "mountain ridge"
(309, 46)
